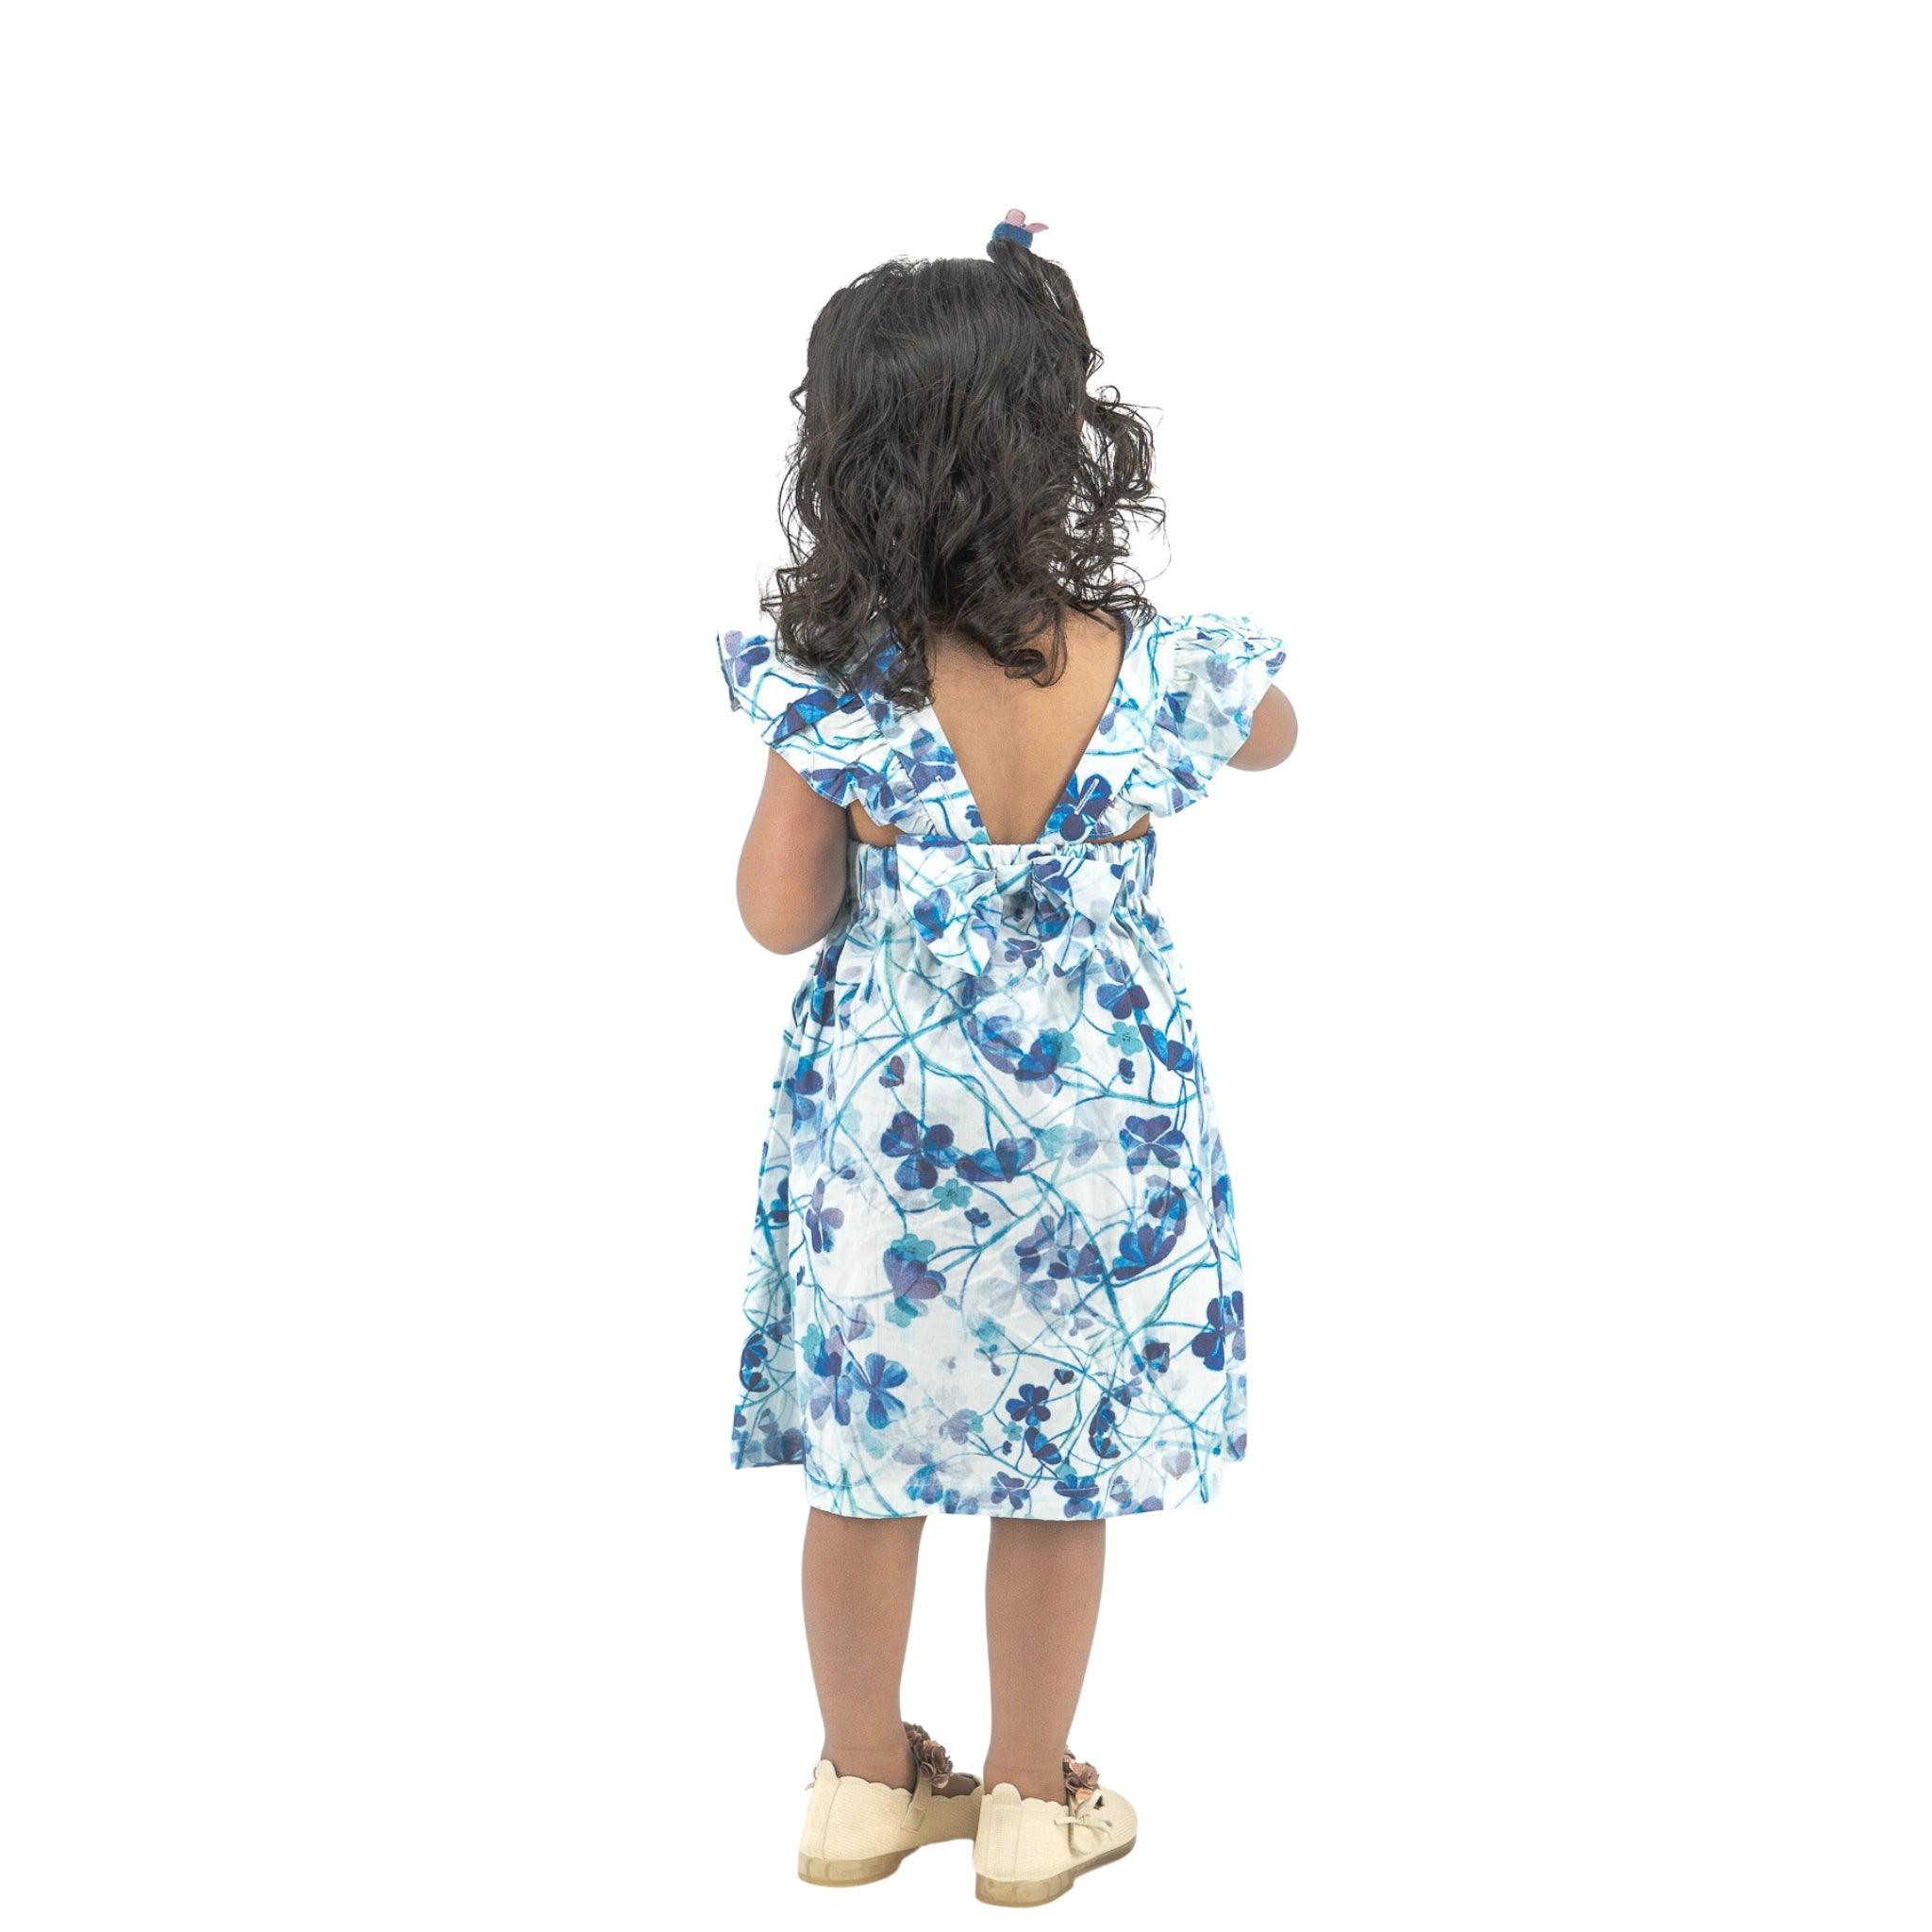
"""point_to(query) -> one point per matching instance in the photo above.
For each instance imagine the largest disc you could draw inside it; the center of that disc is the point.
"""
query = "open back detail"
(1020, 746)
(994, 1265)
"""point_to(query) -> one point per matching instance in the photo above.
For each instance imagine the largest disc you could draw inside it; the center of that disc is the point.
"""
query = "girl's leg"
(1042, 1597)
(858, 1578)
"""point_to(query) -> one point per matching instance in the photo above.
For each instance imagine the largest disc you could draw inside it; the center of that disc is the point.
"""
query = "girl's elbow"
(784, 928)
(784, 939)
(1278, 728)
(1270, 739)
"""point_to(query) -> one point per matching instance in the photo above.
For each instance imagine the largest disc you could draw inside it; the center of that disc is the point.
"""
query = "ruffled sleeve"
(828, 737)
(1213, 671)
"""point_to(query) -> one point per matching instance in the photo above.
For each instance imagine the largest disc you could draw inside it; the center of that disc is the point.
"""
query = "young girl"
(995, 1271)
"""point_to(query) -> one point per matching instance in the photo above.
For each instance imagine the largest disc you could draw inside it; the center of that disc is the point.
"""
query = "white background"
(394, 399)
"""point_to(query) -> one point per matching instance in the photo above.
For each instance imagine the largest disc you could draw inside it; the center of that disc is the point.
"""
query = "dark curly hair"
(953, 473)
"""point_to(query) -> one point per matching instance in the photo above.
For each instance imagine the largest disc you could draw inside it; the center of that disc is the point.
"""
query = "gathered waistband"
(1007, 908)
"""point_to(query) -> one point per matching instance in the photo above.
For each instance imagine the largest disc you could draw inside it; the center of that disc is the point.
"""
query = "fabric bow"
(1010, 914)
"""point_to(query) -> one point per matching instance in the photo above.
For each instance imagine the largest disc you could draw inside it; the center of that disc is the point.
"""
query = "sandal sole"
(1042, 1891)
(852, 1871)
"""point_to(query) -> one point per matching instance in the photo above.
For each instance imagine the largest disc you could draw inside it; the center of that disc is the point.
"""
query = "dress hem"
(1199, 1488)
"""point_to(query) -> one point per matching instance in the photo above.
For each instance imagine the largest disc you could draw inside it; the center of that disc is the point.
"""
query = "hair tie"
(1016, 227)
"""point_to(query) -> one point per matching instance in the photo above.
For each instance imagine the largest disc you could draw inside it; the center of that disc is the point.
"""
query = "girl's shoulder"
(831, 737)
(1182, 707)
(1193, 683)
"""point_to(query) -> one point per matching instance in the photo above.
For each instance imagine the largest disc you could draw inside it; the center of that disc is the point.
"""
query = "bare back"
(1018, 742)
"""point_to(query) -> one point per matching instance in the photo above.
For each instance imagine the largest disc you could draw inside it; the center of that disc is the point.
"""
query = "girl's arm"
(791, 873)
(1272, 735)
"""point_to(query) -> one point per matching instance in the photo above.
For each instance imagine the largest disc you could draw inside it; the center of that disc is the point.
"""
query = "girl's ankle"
(877, 1760)
(1036, 1780)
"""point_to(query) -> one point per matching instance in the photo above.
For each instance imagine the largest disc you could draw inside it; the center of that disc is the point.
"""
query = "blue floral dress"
(994, 1266)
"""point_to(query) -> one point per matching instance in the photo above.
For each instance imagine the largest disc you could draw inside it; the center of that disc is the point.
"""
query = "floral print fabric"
(994, 1265)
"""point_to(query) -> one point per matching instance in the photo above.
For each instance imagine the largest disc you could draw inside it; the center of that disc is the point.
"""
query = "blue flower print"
(1187, 781)
(993, 1035)
(1030, 1406)
(1172, 1054)
(1121, 1000)
(874, 1381)
(1080, 1492)
(822, 999)
(831, 1386)
(802, 1089)
(1081, 811)
(931, 761)
(752, 1358)
(931, 914)
(1020, 948)
(1050, 884)
(741, 656)
(1011, 1490)
(926, 1484)
(927, 1150)
(1153, 1139)
(1223, 1199)
(987, 1339)
(936, 1477)
(813, 707)
(822, 1222)
(1074, 1256)
(912, 1281)
(1032, 1249)
(780, 1445)
(1050, 1051)
(1153, 1239)
(1002, 1161)
(1225, 1333)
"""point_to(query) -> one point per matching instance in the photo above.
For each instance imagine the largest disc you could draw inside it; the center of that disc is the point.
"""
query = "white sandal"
(857, 1831)
(1027, 1852)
